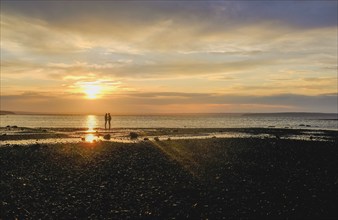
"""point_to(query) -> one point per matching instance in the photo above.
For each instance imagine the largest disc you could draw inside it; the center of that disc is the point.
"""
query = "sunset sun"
(92, 91)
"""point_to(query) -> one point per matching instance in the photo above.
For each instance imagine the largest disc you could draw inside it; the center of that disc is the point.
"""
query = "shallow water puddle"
(123, 137)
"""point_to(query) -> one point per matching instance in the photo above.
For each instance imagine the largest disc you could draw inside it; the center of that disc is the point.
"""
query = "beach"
(183, 174)
(168, 109)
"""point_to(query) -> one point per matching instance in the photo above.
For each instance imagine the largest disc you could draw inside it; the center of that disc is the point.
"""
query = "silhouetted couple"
(107, 119)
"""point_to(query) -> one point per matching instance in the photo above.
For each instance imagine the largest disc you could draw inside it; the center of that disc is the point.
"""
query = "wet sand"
(25, 136)
(211, 178)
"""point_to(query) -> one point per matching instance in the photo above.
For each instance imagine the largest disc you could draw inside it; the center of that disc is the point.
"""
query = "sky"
(143, 57)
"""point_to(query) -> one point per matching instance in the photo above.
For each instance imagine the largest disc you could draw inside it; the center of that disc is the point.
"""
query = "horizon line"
(157, 113)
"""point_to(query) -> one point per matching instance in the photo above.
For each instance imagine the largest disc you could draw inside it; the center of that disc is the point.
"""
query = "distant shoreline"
(6, 113)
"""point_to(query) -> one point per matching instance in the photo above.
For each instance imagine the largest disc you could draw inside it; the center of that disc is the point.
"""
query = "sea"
(282, 120)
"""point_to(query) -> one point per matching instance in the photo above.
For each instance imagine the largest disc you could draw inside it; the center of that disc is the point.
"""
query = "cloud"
(20, 35)
(320, 79)
(138, 33)
(72, 35)
(217, 98)
(169, 102)
(126, 69)
(199, 50)
(307, 86)
(303, 14)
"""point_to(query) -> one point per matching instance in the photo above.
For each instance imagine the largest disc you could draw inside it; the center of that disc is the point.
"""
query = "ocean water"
(297, 121)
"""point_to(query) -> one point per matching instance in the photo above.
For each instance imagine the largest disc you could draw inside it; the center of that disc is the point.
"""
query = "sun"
(92, 91)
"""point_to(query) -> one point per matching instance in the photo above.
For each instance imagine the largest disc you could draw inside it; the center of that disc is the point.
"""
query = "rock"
(133, 135)
(106, 137)
(146, 139)
(156, 139)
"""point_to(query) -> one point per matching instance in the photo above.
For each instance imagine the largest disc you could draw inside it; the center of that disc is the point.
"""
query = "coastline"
(25, 136)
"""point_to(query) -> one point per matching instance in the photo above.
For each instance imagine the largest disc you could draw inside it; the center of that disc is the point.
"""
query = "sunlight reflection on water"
(91, 123)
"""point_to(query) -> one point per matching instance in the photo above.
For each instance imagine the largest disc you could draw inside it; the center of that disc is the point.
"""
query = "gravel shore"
(214, 178)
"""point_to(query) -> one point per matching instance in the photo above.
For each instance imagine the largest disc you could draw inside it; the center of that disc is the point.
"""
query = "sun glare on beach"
(90, 138)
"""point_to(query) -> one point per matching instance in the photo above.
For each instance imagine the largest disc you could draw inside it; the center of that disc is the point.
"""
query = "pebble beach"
(213, 177)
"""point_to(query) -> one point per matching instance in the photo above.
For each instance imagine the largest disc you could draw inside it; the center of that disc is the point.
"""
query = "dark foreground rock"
(182, 179)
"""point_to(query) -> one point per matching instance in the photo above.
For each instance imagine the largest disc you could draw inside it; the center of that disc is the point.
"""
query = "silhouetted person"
(106, 121)
(109, 119)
